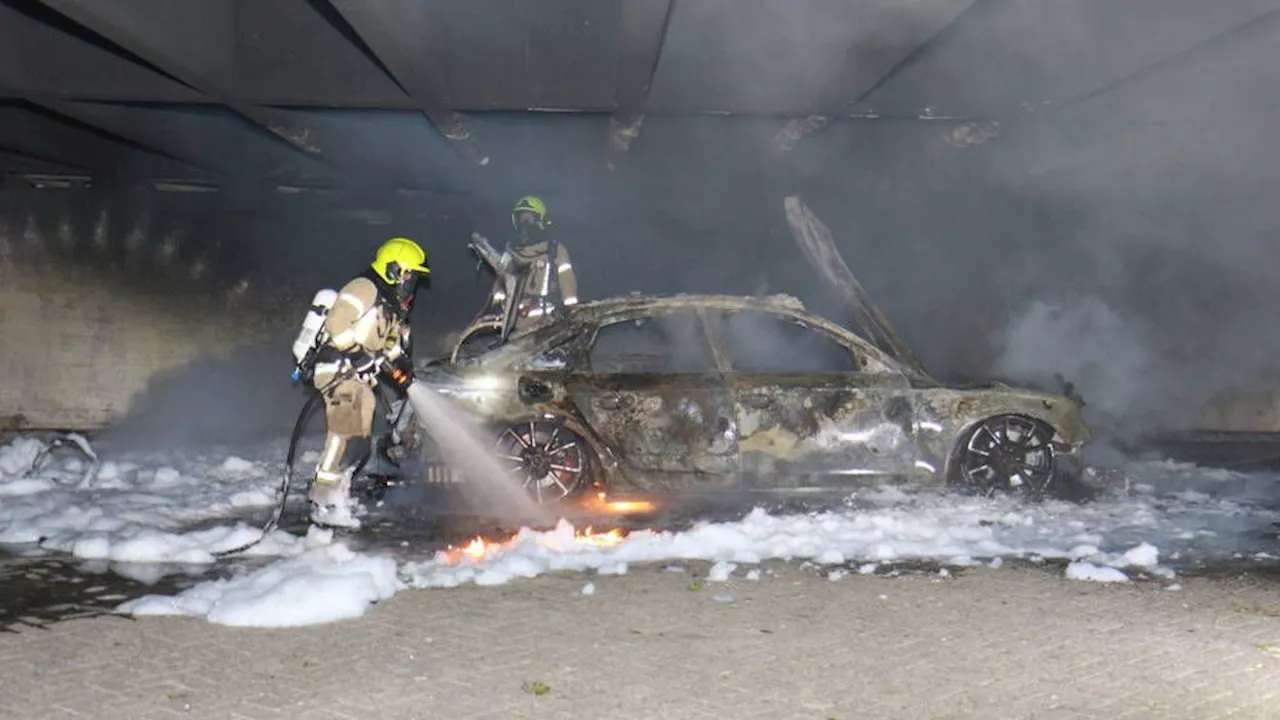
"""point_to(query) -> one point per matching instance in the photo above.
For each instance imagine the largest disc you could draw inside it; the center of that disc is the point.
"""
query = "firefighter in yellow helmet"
(365, 340)
(551, 283)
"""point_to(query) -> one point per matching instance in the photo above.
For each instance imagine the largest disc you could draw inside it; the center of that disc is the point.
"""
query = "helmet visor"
(527, 217)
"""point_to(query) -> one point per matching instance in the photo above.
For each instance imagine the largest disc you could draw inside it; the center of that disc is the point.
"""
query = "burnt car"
(689, 393)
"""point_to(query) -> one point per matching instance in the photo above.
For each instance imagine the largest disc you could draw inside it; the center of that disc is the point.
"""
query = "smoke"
(760, 343)
(1087, 342)
(1156, 222)
(667, 343)
(754, 342)
(244, 398)
(1126, 242)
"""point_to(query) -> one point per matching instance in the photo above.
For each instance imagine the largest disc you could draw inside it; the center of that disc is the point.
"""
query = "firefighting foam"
(1170, 514)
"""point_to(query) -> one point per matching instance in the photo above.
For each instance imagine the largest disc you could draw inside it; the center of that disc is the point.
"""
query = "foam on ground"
(134, 508)
(1094, 573)
(327, 582)
(930, 527)
(138, 511)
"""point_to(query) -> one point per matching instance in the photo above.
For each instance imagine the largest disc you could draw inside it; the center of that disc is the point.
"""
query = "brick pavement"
(1007, 643)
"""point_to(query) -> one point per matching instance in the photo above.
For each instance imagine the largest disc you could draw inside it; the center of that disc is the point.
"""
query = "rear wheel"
(1008, 453)
(552, 462)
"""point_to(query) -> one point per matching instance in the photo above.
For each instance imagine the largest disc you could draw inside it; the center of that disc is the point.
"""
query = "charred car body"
(697, 393)
(692, 393)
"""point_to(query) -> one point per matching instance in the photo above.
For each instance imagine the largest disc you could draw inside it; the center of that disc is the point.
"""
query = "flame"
(608, 539)
(625, 507)
(622, 507)
(475, 549)
(478, 549)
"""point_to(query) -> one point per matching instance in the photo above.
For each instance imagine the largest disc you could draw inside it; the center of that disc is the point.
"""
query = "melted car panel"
(715, 390)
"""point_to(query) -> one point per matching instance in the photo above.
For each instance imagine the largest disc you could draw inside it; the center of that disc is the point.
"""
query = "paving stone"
(1008, 643)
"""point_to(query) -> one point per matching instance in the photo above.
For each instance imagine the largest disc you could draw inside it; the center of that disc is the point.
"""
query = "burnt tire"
(1010, 454)
(553, 463)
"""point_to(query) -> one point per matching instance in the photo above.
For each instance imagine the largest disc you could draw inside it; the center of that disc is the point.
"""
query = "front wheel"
(552, 462)
(1008, 453)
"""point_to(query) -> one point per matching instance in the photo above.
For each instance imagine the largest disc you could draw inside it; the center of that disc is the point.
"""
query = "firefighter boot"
(330, 493)
(333, 506)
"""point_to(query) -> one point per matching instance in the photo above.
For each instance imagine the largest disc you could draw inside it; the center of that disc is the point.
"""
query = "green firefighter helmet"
(530, 204)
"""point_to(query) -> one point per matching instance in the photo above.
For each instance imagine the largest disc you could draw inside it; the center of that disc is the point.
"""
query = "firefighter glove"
(399, 374)
(365, 364)
(397, 343)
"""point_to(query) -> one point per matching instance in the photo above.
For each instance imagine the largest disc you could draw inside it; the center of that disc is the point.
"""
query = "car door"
(651, 390)
(811, 408)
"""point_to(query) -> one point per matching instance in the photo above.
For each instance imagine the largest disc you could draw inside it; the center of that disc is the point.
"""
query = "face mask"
(526, 222)
(405, 290)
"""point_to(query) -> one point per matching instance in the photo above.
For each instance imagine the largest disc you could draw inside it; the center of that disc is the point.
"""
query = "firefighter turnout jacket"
(362, 320)
(543, 276)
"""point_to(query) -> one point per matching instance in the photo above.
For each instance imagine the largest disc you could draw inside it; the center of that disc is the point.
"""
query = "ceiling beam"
(896, 41)
(42, 52)
(642, 31)
(1262, 23)
(122, 132)
(1044, 129)
(31, 161)
(31, 133)
(382, 30)
(111, 22)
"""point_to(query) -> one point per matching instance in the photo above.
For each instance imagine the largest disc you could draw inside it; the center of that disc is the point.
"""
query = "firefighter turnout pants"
(348, 414)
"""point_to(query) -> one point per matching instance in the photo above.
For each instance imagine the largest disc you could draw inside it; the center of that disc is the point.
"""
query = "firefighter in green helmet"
(551, 284)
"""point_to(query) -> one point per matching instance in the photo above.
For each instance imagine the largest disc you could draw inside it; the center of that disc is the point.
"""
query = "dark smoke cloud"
(1163, 239)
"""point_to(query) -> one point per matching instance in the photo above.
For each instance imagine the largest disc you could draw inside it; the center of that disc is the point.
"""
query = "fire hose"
(61, 440)
(286, 479)
(399, 375)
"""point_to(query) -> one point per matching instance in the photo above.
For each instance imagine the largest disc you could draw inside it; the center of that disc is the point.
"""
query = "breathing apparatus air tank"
(309, 335)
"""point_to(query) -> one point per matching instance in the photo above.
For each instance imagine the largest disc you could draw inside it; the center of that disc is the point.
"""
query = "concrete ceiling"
(387, 96)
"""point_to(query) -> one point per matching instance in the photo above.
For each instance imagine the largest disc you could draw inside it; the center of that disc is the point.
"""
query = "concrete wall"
(77, 351)
(1257, 412)
(86, 325)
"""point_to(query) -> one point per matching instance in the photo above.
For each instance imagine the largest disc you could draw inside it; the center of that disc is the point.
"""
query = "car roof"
(638, 301)
(606, 310)
(597, 311)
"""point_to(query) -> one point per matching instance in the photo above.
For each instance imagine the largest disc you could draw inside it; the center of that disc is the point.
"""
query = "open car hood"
(815, 240)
